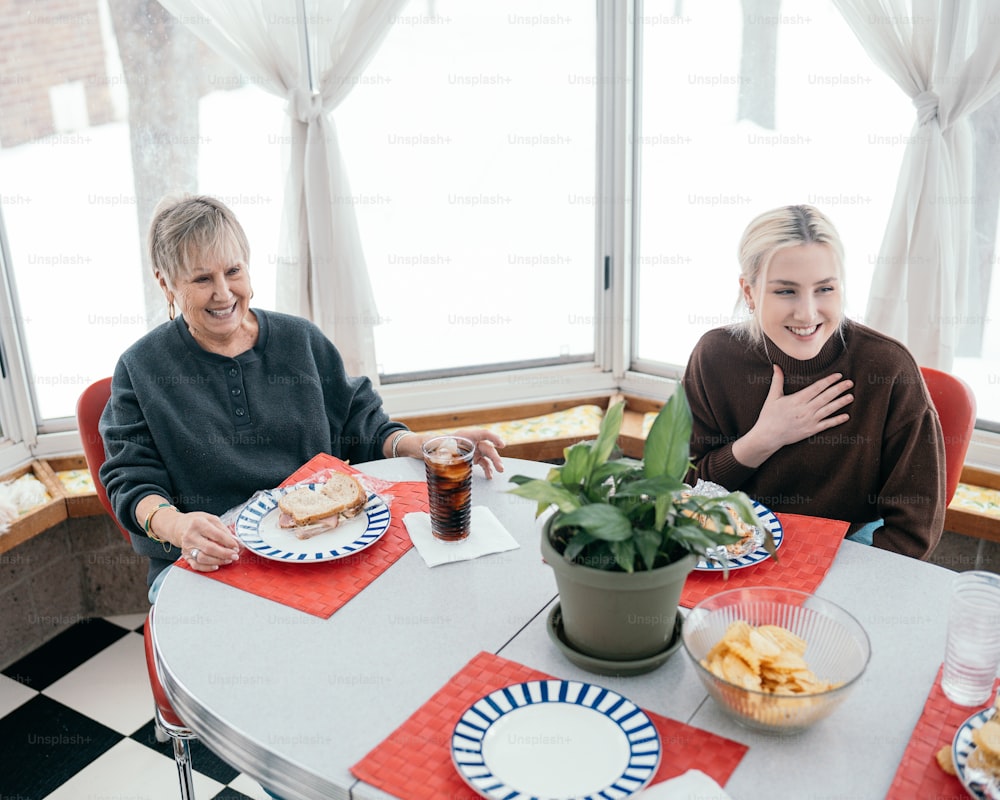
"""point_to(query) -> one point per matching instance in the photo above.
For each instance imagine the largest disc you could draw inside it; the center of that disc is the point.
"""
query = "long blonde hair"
(787, 226)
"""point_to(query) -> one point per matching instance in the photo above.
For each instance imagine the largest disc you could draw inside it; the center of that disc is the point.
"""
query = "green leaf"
(647, 542)
(662, 505)
(600, 520)
(624, 552)
(576, 470)
(547, 494)
(650, 487)
(696, 539)
(580, 541)
(607, 437)
(619, 469)
(668, 444)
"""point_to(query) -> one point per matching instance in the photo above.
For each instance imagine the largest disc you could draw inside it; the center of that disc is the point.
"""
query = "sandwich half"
(309, 511)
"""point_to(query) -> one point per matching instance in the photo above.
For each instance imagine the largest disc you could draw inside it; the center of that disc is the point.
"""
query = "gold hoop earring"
(170, 309)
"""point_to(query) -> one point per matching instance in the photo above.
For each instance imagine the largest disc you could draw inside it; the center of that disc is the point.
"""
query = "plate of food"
(313, 521)
(750, 549)
(975, 754)
(557, 739)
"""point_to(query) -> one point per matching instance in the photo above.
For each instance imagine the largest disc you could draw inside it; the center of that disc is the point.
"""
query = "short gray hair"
(185, 226)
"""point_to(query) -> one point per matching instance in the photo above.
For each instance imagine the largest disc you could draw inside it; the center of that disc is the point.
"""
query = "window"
(474, 260)
(742, 112)
(445, 133)
(76, 144)
(480, 144)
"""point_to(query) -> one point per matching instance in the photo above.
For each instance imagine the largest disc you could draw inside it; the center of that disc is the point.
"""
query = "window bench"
(975, 509)
(535, 431)
(63, 561)
(542, 431)
(70, 494)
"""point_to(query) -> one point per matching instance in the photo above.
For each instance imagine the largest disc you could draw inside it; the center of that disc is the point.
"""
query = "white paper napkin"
(692, 785)
(486, 535)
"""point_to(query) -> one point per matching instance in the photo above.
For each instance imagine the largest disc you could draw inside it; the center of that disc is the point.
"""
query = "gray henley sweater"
(208, 431)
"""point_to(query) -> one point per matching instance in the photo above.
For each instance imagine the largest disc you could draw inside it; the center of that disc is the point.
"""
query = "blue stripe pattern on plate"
(962, 747)
(248, 529)
(760, 554)
(639, 732)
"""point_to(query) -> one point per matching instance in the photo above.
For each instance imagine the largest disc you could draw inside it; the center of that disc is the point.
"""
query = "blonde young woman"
(809, 412)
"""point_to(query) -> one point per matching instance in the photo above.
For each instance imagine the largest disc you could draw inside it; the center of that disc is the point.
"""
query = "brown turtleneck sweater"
(886, 462)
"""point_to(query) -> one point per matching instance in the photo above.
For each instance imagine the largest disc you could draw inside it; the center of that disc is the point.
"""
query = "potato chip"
(768, 658)
(784, 638)
(736, 670)
(945, 761)
(747, 654)
(764, 645)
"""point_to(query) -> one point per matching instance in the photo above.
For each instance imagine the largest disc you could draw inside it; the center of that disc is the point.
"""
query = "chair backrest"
(89, 408)
(956, 406)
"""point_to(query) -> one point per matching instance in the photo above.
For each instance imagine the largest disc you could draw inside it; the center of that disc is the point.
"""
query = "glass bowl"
(838, 651)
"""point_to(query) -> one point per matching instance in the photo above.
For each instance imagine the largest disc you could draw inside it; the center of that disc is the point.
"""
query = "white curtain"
(945, 54)
(311, 52)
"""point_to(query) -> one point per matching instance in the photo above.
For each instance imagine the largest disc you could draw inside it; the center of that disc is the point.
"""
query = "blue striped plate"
(257, 527)
(555, 739)
(767, 517)
(962, 747)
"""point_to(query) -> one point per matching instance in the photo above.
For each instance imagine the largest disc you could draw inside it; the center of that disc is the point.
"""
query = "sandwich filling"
(310, 510)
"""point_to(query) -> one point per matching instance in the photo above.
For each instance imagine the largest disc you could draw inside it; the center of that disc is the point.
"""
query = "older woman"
(225, 400)
(809, 412)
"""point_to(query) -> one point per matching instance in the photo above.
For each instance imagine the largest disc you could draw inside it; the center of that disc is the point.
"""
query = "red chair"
(956, 406)
(89, 408)
(169, 726)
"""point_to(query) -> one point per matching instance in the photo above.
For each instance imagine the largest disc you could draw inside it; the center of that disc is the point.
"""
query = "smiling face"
(213, 293)
(798, 299)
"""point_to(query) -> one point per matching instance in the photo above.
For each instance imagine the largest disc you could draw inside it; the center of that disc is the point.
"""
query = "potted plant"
(626, 533)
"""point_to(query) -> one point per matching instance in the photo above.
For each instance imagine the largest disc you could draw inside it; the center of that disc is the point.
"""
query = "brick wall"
(81, 568)
(46, 44)
(57, 46)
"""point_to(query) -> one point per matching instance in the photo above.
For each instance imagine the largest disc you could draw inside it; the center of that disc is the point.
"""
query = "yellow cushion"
(76, 481)
(647, 421)
(580, 421)
(978, 499)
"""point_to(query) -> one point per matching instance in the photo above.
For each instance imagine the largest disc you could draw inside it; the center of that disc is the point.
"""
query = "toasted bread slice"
(346, 492)
(305, 505)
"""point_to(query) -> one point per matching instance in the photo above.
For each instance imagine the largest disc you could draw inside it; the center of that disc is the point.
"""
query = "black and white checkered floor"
(76, 722)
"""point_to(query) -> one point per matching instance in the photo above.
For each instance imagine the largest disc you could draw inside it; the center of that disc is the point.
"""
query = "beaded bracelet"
(149, 521)
(396, 441)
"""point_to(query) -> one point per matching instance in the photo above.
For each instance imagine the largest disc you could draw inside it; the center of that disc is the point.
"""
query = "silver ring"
(195, 552)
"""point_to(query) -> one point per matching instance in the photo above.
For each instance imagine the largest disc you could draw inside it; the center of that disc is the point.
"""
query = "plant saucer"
(603, 666)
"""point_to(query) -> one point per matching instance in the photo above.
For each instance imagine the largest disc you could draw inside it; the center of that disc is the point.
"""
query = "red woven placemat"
(415, 760)
(806, 553)
(919, 774)
(323, 587)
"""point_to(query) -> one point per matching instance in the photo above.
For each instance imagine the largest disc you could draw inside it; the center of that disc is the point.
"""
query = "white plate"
(962, 746)
(760, 554)
(555, 739)
(257, 527)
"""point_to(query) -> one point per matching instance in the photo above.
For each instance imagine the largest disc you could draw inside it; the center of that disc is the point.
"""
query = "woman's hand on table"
(206, 542)
(203, 539)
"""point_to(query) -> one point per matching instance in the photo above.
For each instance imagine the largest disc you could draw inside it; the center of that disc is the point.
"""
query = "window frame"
(19, 428)
(618, 54)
